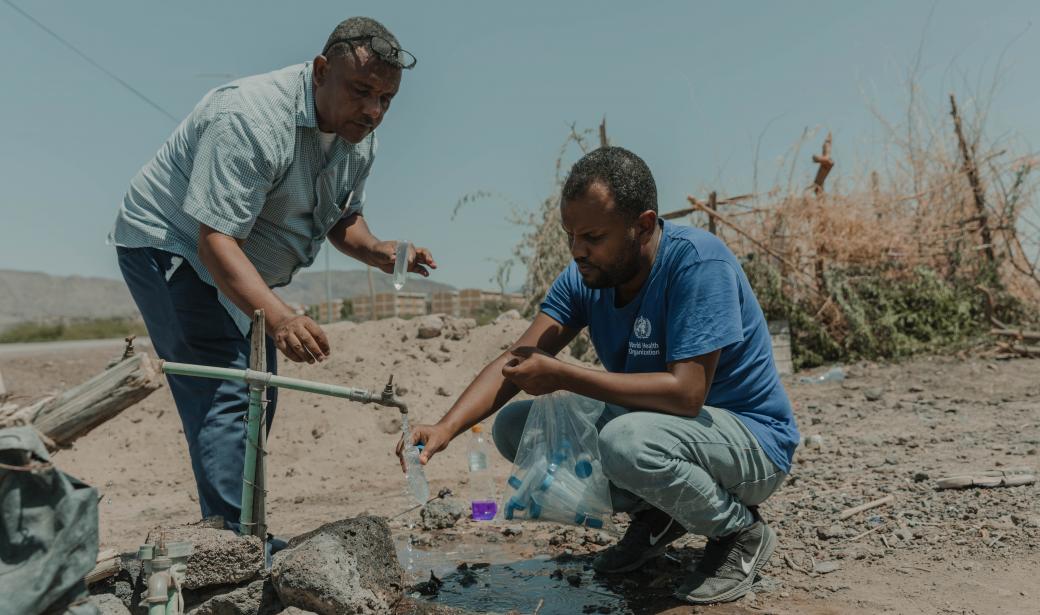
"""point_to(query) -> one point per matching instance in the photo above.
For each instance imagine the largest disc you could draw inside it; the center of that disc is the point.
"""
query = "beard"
(620, 270)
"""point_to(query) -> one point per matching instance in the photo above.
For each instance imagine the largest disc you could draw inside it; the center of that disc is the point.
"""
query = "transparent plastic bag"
(557, 475)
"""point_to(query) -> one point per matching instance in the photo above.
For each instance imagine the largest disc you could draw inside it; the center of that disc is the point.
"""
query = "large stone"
(442, 514)
(257, 598)
(220, 557)
(109, 604)
(430, 327)
(295, 611)
(457, 328)
(345, 567)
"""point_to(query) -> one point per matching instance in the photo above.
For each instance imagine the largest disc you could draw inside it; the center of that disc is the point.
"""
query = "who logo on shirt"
(641, 328)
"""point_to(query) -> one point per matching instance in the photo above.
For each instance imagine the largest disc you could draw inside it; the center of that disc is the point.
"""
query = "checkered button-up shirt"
(248, 163)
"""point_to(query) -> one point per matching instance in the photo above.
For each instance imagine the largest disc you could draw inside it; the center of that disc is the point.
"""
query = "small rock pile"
(344, 567)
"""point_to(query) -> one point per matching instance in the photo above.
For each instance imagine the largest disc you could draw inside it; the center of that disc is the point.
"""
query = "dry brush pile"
(926, 253)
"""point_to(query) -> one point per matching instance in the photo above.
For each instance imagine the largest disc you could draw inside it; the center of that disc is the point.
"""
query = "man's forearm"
(352, 237)
(657, 391)
(238, 279)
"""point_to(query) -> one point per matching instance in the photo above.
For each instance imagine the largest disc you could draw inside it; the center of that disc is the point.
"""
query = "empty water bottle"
(483, 506)
(834, 374)
(401, 264)
(418, 486)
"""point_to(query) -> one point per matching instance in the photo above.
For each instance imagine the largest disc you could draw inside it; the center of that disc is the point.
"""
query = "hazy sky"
(689, 86)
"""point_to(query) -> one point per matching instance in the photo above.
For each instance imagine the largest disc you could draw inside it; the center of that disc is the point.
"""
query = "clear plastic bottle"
(418, 486)
(401, 264)
(483, 504)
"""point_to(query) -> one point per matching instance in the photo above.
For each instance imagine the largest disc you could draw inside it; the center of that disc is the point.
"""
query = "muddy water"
(485, 578)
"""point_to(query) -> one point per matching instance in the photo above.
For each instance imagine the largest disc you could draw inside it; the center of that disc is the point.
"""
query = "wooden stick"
(77, 411)
(855, 510)
(712, 205)
(108, 565)
(679, 213)
(972, 171)
(1020, 334)
(697, 205)
(826, 164)
(258, 362)
(603, 142)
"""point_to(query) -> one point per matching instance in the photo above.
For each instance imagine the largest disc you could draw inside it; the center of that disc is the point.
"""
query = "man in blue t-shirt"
(698, 429)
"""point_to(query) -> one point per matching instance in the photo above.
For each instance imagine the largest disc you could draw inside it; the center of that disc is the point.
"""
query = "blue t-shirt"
(695, 301)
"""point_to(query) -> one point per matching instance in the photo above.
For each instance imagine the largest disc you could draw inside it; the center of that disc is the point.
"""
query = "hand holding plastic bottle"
(435, 438)
(420, 260)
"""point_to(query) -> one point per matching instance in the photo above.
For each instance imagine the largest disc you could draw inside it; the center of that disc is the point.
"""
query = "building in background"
(473, 301)
(446, 302)
(321, 311)
(388, 305)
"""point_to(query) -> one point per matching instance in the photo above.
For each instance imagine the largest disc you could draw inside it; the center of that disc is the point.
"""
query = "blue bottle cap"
(536, 510)
(579, 518)
(583, 468)
(516, 504)
(558, 457)
(508, 514)
(594, 523)
(420, 446)
(546, 482)
(514, 482)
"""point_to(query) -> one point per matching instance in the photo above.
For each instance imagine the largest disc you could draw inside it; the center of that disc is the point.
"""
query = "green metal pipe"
(387, 397)
(256, 407)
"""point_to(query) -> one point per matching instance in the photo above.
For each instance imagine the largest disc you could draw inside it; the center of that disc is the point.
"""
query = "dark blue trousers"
(187, 324)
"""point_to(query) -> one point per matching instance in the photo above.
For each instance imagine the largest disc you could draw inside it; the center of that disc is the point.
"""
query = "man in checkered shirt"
(238, 199)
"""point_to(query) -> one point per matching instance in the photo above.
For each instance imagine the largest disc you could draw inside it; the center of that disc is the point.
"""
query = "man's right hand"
(301, 339)
(435, 438)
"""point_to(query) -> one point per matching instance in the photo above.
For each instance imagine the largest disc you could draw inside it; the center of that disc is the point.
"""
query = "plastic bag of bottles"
(557, 475)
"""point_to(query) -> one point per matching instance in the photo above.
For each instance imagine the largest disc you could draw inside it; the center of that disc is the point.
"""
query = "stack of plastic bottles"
(554, 489)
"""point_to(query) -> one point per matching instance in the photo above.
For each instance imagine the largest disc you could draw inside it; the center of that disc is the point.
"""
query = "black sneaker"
(729, 566)
(646, 538)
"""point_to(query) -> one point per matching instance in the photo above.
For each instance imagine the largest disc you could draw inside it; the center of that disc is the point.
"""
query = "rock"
(814, 441)
(443, 392)
(904, 534)
(873, 394)
(109, 604)
(504, 316)
(827, 567)
(220, 556)
(348, 566)
(430, 327)
(257, 598)
(458, 328)
(512, 530)
(920, 477)
(832, 532)
(442, 514)
(295, 611)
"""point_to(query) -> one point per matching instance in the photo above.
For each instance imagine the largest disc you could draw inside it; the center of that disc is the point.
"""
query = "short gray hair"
(355, 27)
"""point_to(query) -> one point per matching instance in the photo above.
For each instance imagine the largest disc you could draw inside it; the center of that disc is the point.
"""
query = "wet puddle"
(485, 578)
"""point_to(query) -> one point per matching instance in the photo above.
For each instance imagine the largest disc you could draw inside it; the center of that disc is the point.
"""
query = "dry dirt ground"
(886, 430)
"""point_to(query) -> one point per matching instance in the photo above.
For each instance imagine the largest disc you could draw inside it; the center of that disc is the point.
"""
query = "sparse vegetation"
(101, 328)
(921, 255)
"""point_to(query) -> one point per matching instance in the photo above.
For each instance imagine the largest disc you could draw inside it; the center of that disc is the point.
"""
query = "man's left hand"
(536, 372)
(420, 260)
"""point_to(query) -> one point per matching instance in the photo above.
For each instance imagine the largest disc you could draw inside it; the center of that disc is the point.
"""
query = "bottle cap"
(477, 428)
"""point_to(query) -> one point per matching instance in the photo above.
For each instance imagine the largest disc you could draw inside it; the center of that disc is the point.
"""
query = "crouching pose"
(698, 430)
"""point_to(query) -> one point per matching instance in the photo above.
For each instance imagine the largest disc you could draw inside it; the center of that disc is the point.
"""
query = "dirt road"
(885, 430)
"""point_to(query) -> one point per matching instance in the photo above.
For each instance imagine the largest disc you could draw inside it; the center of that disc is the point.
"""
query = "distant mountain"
(309, 288)
(31, 296)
